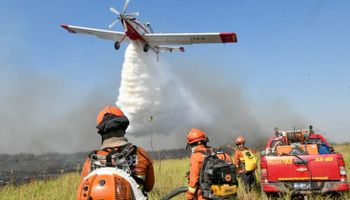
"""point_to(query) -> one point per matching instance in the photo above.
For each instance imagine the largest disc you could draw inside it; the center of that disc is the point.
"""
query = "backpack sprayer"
(110, 178)
(217, 179)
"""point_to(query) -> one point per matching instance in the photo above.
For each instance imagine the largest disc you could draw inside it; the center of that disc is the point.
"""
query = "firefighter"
(277, 132)
(197, 142)
(111, 125)
(245, 162)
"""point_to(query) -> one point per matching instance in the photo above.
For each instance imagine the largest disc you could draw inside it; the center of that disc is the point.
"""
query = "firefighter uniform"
(197, 140)
(248, 177)
(111, 124)
(142, 169)
(196, 161)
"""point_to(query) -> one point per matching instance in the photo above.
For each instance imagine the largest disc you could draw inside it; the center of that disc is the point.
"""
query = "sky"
(290, 67)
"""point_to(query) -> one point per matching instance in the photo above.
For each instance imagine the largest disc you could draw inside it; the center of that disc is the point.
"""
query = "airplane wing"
(104, 34)
(157, 39)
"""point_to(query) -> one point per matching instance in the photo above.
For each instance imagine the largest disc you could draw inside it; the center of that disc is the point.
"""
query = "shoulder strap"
(110, 151)
(128, 150)
(92, 153)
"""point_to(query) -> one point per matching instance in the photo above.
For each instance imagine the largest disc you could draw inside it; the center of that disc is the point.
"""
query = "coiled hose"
(175, 192)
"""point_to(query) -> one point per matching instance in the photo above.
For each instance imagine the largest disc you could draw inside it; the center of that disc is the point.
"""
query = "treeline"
(24, 167)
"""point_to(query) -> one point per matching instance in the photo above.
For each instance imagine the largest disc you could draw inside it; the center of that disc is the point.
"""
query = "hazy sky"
(291, 64)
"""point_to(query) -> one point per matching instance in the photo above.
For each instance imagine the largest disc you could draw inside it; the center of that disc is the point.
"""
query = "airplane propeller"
(113, 23)
(114, 11)
(125, 6)
(122, 16)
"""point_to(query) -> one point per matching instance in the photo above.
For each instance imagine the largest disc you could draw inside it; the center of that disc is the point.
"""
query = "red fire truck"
(301, 162)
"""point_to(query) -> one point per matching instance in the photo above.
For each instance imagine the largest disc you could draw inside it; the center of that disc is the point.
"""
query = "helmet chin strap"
(192, 148)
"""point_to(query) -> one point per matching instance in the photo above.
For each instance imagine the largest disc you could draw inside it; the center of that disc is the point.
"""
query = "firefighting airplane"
(142, 33)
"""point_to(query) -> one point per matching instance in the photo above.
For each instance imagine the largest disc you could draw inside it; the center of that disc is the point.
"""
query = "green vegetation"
(345, 150)
(63, 187)
(170, 174)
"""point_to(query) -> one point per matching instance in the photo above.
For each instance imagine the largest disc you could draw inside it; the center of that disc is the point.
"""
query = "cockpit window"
(149, 26)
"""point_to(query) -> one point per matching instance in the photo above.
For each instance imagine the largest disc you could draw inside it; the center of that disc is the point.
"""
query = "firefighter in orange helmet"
(197, 142)
(111, 125)
(248, 177)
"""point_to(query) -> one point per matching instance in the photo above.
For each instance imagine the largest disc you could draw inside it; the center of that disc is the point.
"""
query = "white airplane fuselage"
(136, 29)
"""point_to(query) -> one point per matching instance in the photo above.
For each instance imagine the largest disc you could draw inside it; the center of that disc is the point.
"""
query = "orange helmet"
(111, 117)
(108, 109)
(195, 135)
(240, 140)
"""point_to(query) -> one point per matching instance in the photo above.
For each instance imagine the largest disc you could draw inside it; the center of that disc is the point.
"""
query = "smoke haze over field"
(162, 106)
(149, 90)
(159, 103)
(289, 68)
(37, 119)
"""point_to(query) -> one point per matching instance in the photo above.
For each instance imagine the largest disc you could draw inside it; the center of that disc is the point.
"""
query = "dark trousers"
(249, 180)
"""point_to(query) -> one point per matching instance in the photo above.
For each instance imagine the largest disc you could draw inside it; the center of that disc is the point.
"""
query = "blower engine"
(109, 183)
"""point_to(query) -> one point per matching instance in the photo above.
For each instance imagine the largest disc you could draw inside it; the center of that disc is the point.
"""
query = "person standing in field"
(111, 125)
(245, 162)
(197, 142)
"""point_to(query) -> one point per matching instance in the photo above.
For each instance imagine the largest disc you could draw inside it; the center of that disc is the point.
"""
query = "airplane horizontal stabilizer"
(171, 49)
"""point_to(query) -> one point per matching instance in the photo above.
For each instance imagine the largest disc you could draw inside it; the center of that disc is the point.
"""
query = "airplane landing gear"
(146, 47)
(117, 45)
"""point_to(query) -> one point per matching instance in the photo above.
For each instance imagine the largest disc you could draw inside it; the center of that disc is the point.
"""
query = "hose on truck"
(307, 167)
(299, 158)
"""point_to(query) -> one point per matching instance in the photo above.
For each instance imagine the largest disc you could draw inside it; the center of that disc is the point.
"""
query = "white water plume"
(150, 96)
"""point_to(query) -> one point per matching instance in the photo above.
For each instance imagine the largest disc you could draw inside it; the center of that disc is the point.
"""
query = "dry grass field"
(170, 174)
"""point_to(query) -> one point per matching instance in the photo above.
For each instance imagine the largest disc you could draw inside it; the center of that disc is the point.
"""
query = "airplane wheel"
(146, 47)
(117, 45)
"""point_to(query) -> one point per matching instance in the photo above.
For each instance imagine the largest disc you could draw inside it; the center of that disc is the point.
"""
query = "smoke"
(40, 113)
(35, 118)
(158, 102)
